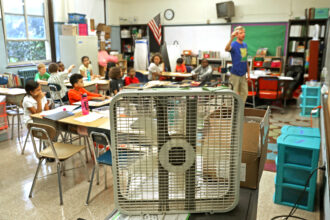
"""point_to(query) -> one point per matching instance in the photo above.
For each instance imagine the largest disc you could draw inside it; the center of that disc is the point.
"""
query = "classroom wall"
(199, 12)
(92, 9)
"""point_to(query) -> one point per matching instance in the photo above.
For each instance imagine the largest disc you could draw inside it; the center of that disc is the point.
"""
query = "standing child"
(156, 67)
(42, 76)
(116, 83)
(58, 78)
(131, 78)
(85, 67)
(180, 68)
(34, 101)
(78, 90)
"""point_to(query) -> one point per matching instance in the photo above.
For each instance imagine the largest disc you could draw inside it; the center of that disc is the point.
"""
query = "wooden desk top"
(12, 91)
(175, 74)
(103, 122)
(86, 83)
(172, 74)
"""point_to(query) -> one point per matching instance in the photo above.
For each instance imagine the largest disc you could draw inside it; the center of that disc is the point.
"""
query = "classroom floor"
(17, 171)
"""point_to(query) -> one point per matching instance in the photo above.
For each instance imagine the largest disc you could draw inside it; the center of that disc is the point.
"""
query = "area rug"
(276, 123)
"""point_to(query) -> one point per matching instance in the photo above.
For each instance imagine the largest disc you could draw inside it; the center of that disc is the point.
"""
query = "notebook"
(59, 115)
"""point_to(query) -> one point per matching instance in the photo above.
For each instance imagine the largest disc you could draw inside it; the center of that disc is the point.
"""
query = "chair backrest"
(189, 69)
(251, 85)
(141, 77)
(100, 139)
(54, 87)
(268, 83)
(44, 133)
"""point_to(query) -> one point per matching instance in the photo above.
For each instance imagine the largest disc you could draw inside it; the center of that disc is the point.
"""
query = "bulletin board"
(265, 35)
(199, 37)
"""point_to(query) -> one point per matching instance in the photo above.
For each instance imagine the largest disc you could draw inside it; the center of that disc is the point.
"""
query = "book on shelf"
(297, 31)
(296, 61)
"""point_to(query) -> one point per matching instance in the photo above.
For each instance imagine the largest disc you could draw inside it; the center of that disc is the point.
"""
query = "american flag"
(156, 28)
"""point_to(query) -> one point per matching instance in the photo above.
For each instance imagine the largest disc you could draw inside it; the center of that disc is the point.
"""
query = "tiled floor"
(17, 171)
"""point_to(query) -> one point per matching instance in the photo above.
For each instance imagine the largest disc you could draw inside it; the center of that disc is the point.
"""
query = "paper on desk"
(68, 108)
(92, 116)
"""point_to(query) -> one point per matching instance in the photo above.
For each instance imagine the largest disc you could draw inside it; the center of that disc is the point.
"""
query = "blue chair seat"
(105, 158)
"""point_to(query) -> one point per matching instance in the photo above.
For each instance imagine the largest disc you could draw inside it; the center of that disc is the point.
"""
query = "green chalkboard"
(264, 36)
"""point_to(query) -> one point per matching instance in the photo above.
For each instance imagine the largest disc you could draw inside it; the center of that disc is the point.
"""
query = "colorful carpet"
(276, 123)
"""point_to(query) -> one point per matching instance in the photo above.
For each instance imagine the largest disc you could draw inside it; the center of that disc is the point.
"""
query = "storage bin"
(258, 63)
(76, 18)
(298, 150)
(306, 111)
(287, 194)
(292, 174)
(310, 101)
(304, 131)
(311, 91)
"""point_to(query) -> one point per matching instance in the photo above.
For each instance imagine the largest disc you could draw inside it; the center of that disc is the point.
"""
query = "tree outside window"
(26, 32)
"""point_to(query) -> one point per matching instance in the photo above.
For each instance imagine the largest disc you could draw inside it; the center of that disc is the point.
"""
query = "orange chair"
(270, 89)
(252, 92)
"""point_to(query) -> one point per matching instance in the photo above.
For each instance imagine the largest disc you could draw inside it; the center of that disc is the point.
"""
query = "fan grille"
(177, 152)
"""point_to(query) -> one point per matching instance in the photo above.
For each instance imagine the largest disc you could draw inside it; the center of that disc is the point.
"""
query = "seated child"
(78, 90)
(180, 68)
(116, 83)
(42, 76)
(61, 67)
(86, 66)
(58, 78)
(203, 71)
(34, 101)
(131, 78)
(156, 67)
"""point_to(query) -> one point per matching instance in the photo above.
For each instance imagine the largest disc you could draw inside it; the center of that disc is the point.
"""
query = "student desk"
(96, 104)
(13, 96)
(169, 74)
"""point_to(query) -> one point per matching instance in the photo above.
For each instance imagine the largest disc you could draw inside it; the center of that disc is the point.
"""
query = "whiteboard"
(201, 37)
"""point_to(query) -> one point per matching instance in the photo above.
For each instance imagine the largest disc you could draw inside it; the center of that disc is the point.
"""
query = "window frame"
(46, 39)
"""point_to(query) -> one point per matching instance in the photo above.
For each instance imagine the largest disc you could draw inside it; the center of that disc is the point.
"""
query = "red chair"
(270, 89)
(252, 92)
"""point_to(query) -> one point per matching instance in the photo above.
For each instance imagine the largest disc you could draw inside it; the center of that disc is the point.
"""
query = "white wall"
(92, 9)
(200, 11)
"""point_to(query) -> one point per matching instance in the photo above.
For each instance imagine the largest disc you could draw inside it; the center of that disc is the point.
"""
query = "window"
(26, 31)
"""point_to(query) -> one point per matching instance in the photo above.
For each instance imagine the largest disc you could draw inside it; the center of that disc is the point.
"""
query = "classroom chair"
(103, 158)
(270, 89)
(251, 92)
(15, 111)
(58, 151)
(55, 92)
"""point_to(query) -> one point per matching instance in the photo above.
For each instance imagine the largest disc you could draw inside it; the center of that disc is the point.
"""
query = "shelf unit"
(298, 156)
(258, 65)
(127, 44)
(303, 41)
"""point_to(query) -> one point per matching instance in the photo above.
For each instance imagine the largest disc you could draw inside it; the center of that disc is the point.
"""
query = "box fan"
(176, 151)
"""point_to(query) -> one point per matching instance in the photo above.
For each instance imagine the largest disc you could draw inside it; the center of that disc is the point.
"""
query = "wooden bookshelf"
(303, 41)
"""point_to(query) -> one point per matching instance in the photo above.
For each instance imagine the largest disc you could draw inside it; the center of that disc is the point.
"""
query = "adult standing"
(238, 51)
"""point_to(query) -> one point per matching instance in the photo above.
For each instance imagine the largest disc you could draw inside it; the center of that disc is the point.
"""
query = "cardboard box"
(92, 24)
(69, 30)
(254, 146)
(103, 27)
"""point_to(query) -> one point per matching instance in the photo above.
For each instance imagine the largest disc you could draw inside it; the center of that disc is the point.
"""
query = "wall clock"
(169, 14)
